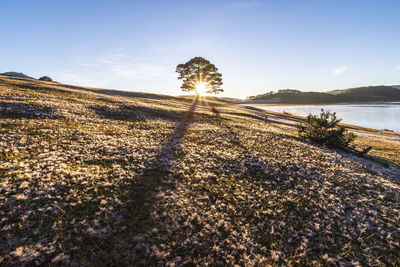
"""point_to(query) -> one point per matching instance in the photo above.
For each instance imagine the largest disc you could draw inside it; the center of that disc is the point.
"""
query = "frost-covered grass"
(101, 177)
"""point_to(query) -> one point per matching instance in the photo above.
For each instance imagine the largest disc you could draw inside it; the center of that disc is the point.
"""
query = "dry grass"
(102, 177)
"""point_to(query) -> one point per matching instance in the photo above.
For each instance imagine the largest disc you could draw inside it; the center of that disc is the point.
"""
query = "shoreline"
(301, 113)
(319, 104)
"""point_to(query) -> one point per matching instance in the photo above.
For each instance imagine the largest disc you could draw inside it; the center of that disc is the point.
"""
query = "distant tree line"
(359, 94)
(272, 93)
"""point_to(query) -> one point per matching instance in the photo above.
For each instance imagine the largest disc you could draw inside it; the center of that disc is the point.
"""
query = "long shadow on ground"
(134, 113)
(17, 110)
(142, 191)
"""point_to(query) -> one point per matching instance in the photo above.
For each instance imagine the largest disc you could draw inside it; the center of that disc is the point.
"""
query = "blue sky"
(258, 46)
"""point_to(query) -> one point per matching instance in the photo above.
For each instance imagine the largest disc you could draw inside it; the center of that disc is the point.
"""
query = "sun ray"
(202, 88)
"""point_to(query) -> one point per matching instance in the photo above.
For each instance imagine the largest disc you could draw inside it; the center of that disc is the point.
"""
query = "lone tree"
(199, 75)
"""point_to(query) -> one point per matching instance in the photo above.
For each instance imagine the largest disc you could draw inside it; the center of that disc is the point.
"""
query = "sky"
(258, 46)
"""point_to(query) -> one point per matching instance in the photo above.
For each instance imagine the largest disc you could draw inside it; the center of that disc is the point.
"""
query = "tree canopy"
(199, 75)
(45, 78)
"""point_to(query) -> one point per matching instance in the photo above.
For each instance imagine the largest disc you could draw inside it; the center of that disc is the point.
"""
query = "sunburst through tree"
(199, 75)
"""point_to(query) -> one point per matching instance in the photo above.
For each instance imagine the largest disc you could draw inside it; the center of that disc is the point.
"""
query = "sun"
(201, 88)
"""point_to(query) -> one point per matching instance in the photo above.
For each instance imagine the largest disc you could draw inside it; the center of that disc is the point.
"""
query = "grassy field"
(101, 177)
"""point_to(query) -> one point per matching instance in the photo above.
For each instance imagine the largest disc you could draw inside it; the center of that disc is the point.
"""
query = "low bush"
(324, 129)
(46, 79)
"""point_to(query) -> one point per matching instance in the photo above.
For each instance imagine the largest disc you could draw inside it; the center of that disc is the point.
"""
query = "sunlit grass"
(162, 180)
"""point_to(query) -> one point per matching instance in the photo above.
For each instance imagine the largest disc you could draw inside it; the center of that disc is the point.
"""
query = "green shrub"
(324, 130)
(46, 79)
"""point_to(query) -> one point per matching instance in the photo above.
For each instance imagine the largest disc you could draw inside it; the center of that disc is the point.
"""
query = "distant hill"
(16, 74)
(217, 98)
(230, 99)
(370, 93)
(359, 94)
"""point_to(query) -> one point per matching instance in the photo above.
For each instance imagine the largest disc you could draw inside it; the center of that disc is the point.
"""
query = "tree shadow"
(134, 113)
(250, 165)
(269, 117)
(246, 166)
(281, 123)
(140, 193)
(17, 110)
(111, 92)
(247, 115)
(43, 89)
(125, 93)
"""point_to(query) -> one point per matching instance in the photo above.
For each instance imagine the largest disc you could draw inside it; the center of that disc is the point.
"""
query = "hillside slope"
(17, 75)
(359, 94)
(370, 94)
(101, 177)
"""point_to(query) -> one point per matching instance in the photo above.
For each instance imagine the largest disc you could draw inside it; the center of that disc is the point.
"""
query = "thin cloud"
(137, 71)
(109, 70)
(79, 78)
(129, 68)
(340, 70)
(397, 68)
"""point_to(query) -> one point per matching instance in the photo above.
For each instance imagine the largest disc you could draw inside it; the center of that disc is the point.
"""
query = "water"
(371, 115)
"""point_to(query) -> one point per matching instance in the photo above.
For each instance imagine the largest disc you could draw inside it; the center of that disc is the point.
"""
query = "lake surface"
(371, 115)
